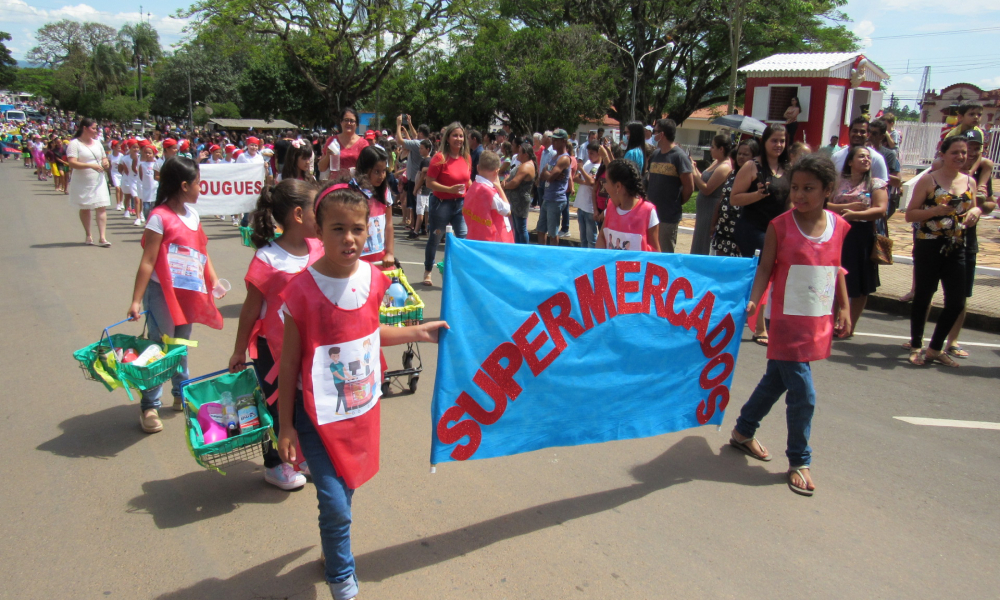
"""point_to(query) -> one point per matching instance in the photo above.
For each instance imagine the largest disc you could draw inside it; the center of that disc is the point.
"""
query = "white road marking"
(950, 423)
(906, 337)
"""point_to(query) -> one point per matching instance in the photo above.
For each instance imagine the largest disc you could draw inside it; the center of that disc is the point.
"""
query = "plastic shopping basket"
(412, 314)
(99, 363)
(246, 232)
(245, 446)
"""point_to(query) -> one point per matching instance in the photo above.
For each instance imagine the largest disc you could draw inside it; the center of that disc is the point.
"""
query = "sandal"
(942, 358)
(906, 297)
(89, 242)
(104, 244)
(744, 447)
(917, 357)
(799, 490)
(428, 281)
(760, 340)
(957, 351)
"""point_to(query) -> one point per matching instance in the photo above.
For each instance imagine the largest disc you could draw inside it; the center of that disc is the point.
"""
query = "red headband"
(328, 191)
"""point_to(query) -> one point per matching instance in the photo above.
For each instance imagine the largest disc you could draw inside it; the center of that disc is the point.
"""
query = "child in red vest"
(371, 174)
(261, 329)
(630, 222)
(176, 277)
(330, 379)
(801, 259)
(486, 210)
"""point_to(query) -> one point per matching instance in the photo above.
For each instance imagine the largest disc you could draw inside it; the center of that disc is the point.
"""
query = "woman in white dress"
(88, 189)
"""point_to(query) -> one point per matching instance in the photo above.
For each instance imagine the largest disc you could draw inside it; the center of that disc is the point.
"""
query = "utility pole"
(190, 103)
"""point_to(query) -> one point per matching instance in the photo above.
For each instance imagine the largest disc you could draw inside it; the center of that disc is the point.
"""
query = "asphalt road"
(94, 508)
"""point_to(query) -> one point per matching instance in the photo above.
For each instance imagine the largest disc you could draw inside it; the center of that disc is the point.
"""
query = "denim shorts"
(548, 219)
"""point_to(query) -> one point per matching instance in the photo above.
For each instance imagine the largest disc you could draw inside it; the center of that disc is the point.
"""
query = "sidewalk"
(983, 306)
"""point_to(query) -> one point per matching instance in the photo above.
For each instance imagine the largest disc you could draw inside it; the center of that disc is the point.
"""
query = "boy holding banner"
(486, 209)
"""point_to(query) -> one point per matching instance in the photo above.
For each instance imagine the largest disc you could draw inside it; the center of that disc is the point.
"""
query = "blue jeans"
(442, 214)
(159, 323)
(334, 508)
(548, 219)
(520, 229)
(588, 228)
(796, 379)
(147, 207)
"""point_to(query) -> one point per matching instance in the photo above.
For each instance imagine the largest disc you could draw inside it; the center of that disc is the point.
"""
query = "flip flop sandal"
(917, 358)
(104, 244)
(907, 345)
(795, 488)
(943, 359)
(427, 280)
(957, 351)
(760, 340)
(89, 243)
(744, 447)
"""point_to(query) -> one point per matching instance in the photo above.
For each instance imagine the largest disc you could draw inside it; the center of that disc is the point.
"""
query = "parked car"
(16, 116)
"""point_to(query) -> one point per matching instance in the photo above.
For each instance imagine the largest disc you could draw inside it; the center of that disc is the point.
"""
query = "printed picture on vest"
(809, 290)
(347, 378)
(376, 236)
(187, 268)
(618, 240)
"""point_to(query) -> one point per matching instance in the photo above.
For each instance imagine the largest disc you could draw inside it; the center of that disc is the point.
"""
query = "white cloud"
(864, 30)
(29, 19)
(990, 83)
(964, 8)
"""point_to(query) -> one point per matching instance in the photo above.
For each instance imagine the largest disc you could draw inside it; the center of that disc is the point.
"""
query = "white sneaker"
(120, 207)
(285, 477)
(138, 222)
(236, 222)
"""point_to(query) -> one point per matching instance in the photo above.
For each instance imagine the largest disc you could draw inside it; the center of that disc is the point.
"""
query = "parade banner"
(230, 189)
(553, 346)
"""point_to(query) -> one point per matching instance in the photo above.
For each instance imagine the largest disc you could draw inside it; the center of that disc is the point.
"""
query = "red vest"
(484, 223)
(341, 373)
(628, 231)
(181, 267)
(378, 218)
(271, 282)
(803, 291)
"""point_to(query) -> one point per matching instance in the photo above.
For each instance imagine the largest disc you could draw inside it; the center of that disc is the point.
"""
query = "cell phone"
(406, 121)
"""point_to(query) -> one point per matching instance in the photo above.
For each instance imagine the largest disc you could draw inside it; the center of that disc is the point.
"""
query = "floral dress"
(723, 242)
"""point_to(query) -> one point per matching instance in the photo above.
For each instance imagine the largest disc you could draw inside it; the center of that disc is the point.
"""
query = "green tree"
(57, 41)
(121, 109)
(214, 77)
(108, 68)
(8, 66)
(344, 50)
(141, 45)
(38, 81)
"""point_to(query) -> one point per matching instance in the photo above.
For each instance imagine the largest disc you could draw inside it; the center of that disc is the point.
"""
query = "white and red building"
(936, 107)
(832, 88)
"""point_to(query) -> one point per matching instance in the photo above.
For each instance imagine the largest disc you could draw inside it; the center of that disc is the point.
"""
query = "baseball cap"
(253, 140)
(370, 134)
(169, 143)
(973, 136)
(649, 128)
(559, 134)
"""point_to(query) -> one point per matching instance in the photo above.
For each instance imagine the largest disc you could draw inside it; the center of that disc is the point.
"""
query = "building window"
(781, 99)
(705, 137)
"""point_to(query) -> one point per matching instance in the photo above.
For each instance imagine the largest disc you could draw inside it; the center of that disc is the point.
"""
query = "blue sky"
(953, 58)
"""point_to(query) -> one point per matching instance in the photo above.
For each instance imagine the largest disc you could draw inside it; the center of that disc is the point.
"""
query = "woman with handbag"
(861, 200)
(88, 189)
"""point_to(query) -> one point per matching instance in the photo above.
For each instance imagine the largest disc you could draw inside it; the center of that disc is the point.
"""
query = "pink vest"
(484, 223)
(341, 374)
(803, 291)
(628, 231)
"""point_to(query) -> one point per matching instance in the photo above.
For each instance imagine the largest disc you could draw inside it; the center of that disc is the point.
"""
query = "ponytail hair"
(173, 173)
(624, 172)
(276, 204)
(369, 157)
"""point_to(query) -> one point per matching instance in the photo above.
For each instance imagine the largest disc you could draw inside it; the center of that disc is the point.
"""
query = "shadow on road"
(58, 245)
(102, 434)
(688, 460)
(263, 581)
(886, 357)
(198, 495)
(230, 311)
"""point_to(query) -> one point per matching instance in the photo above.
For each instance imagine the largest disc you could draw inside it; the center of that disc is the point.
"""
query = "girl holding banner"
(331, 315)
(801, 258)
(630, 223)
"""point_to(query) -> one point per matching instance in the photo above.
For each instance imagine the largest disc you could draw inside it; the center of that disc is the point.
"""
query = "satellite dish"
(209, 111)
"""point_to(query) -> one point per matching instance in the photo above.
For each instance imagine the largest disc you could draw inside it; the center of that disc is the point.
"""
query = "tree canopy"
(8, 66)
(58, 41)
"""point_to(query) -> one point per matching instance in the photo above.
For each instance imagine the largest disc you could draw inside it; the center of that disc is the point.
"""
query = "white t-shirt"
(149, 183)
(348, 293)
(584, 192)
(190, 219)
(653, 219)
(827, 233)
(246, 158)
(879, 169)
(278, 258)
(502, 207)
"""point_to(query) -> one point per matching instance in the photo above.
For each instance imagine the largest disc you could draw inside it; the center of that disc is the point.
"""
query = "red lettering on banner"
(622, 286)
(227, 188)
(595, 300)
(726, 360)
(215, 187)
(476, 411)
(258, 187)
(701, 316)
(728, 329)
(203, 186)
(529, 349)
(678, 319)
(654, 292)
(504, 376)
(553, 323)
(237, 187)
(450, 435)
(707, 407)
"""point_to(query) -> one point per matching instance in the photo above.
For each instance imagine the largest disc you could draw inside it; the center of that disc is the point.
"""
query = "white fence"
(920, 142)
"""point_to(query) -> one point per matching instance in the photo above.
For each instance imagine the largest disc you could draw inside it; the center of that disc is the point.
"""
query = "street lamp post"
(635, 68)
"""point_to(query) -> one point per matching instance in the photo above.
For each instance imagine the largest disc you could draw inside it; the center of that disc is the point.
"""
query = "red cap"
(185, 145)
(132, 143)
(114, 143)
(253, 140)
(169, 143)
(214, 148)
(230, 148)
(237, 153)
(370, 134)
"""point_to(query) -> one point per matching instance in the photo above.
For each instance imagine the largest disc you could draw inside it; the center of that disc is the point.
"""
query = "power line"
(917, 35)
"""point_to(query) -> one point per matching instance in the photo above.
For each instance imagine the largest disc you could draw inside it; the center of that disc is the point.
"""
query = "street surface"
(94, 508)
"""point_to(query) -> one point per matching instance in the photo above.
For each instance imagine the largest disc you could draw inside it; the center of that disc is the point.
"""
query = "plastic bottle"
(229, 416)
(246, 410)
(335, 155)
(398, 293)
(151, 354)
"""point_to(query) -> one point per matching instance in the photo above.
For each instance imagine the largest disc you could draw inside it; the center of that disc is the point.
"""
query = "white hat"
(649, 128)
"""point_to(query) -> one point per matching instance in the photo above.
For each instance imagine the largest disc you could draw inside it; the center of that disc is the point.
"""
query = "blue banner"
(554, 346)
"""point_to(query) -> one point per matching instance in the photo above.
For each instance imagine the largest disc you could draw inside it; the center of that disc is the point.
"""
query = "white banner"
(230, 189)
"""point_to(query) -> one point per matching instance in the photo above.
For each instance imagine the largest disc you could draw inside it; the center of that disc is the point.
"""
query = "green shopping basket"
(99, 363)
(246, 232)
(245, 446)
